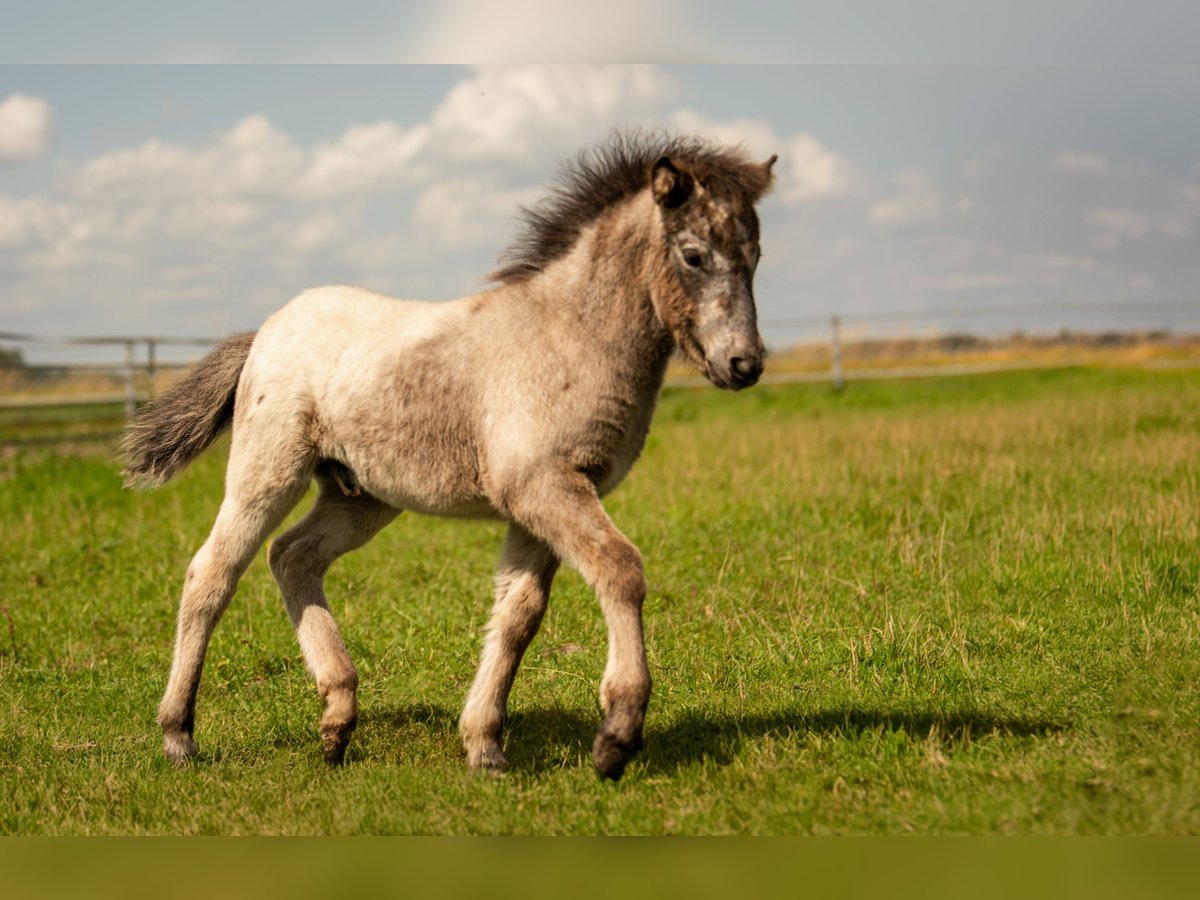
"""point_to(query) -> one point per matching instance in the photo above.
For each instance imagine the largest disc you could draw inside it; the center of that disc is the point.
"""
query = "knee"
(277, 554)
(209, 574)
(290, 558)
(625, 574)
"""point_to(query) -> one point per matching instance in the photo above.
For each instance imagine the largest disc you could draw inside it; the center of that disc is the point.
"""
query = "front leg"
(562, 508)
(523, 581)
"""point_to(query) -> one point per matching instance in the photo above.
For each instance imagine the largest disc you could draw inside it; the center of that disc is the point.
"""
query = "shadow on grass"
(535, 740)
(538, 740)
(699, 736)
(433, 718)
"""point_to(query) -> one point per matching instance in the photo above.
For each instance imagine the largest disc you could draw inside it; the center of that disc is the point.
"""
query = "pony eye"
(693, 258)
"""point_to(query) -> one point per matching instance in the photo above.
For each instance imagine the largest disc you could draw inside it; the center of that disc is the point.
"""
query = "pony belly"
(467, 509)
(428, 490)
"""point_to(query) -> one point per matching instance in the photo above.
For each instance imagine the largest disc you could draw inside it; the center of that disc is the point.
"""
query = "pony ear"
(767, 176)
(671, 187)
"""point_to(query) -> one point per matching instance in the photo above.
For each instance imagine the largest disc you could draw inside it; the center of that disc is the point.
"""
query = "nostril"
(743, 367)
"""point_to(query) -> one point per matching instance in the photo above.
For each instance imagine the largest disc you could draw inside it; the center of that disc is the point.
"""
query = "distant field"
(860, 351)
(40, 406)
(945, 606)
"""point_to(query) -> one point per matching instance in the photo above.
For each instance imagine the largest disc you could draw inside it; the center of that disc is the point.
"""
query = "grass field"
(950, 606)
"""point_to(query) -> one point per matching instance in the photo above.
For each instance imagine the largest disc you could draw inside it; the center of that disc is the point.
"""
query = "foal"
(526, 402)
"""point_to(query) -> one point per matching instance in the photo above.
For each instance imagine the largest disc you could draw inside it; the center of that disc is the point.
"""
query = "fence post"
(151, 364)
(130, 381)
(839, 380)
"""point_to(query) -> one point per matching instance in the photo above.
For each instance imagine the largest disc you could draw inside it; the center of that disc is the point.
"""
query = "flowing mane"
(608, 173)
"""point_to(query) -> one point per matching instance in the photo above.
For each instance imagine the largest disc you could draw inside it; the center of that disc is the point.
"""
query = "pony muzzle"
(737, 369)
(745, 370)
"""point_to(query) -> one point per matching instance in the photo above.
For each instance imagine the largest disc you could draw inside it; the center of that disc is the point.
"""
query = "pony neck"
(609, 281)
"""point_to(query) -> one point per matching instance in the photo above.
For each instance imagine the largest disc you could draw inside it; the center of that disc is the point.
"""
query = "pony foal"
(527, 402)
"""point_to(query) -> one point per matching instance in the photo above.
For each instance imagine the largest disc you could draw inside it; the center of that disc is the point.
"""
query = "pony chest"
(609, 441)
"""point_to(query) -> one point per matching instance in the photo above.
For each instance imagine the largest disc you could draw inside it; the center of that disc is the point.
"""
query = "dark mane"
(606, 174)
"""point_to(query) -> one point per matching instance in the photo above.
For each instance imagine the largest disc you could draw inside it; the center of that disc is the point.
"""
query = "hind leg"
(527, 568)
(255, 503)
(300, 557)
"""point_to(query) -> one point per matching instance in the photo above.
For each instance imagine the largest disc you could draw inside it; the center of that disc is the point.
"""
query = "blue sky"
(196, 199)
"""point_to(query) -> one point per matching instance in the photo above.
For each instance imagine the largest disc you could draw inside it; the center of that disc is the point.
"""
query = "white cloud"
(388, 204)
(209, 218)
(914, 201)
(462, 212)
(811, 170)
(376, 251)
(317, 231)
(756, 136)
(1113, 225)
(968, 281)
(529, 116)
(807, 169)
(1055, 269)
(516, 112)
(23, 219)
(989, 268)
(25, 128)
(365, 157)
(167, 231)
(1077, 161)
(1118, 223)
(253, 158)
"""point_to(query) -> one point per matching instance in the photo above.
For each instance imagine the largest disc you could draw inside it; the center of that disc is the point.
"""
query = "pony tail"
(179, 424)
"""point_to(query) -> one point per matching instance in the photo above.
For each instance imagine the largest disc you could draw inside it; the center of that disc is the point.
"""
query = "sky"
(916, 198)
(1061, 32)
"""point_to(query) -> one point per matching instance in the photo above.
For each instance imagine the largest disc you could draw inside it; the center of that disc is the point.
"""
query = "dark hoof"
(610, 755)
(334, 742)
(489, 759)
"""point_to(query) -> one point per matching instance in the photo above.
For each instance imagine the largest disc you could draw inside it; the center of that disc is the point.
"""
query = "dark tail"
(178, 425)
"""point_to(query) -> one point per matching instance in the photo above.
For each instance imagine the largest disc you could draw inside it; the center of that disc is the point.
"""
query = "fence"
(48, 401)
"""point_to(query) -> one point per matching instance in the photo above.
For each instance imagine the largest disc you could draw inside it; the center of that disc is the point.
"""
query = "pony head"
(710, 250)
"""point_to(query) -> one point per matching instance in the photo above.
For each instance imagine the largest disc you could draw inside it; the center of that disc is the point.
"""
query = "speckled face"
(713, 248)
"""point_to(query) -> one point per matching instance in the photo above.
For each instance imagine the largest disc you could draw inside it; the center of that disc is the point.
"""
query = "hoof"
(610, 755)
(488, 759)
(334, 741)
(178, 747)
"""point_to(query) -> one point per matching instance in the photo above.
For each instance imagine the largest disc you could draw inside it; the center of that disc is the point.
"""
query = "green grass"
(64, 422)
(961, 605)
